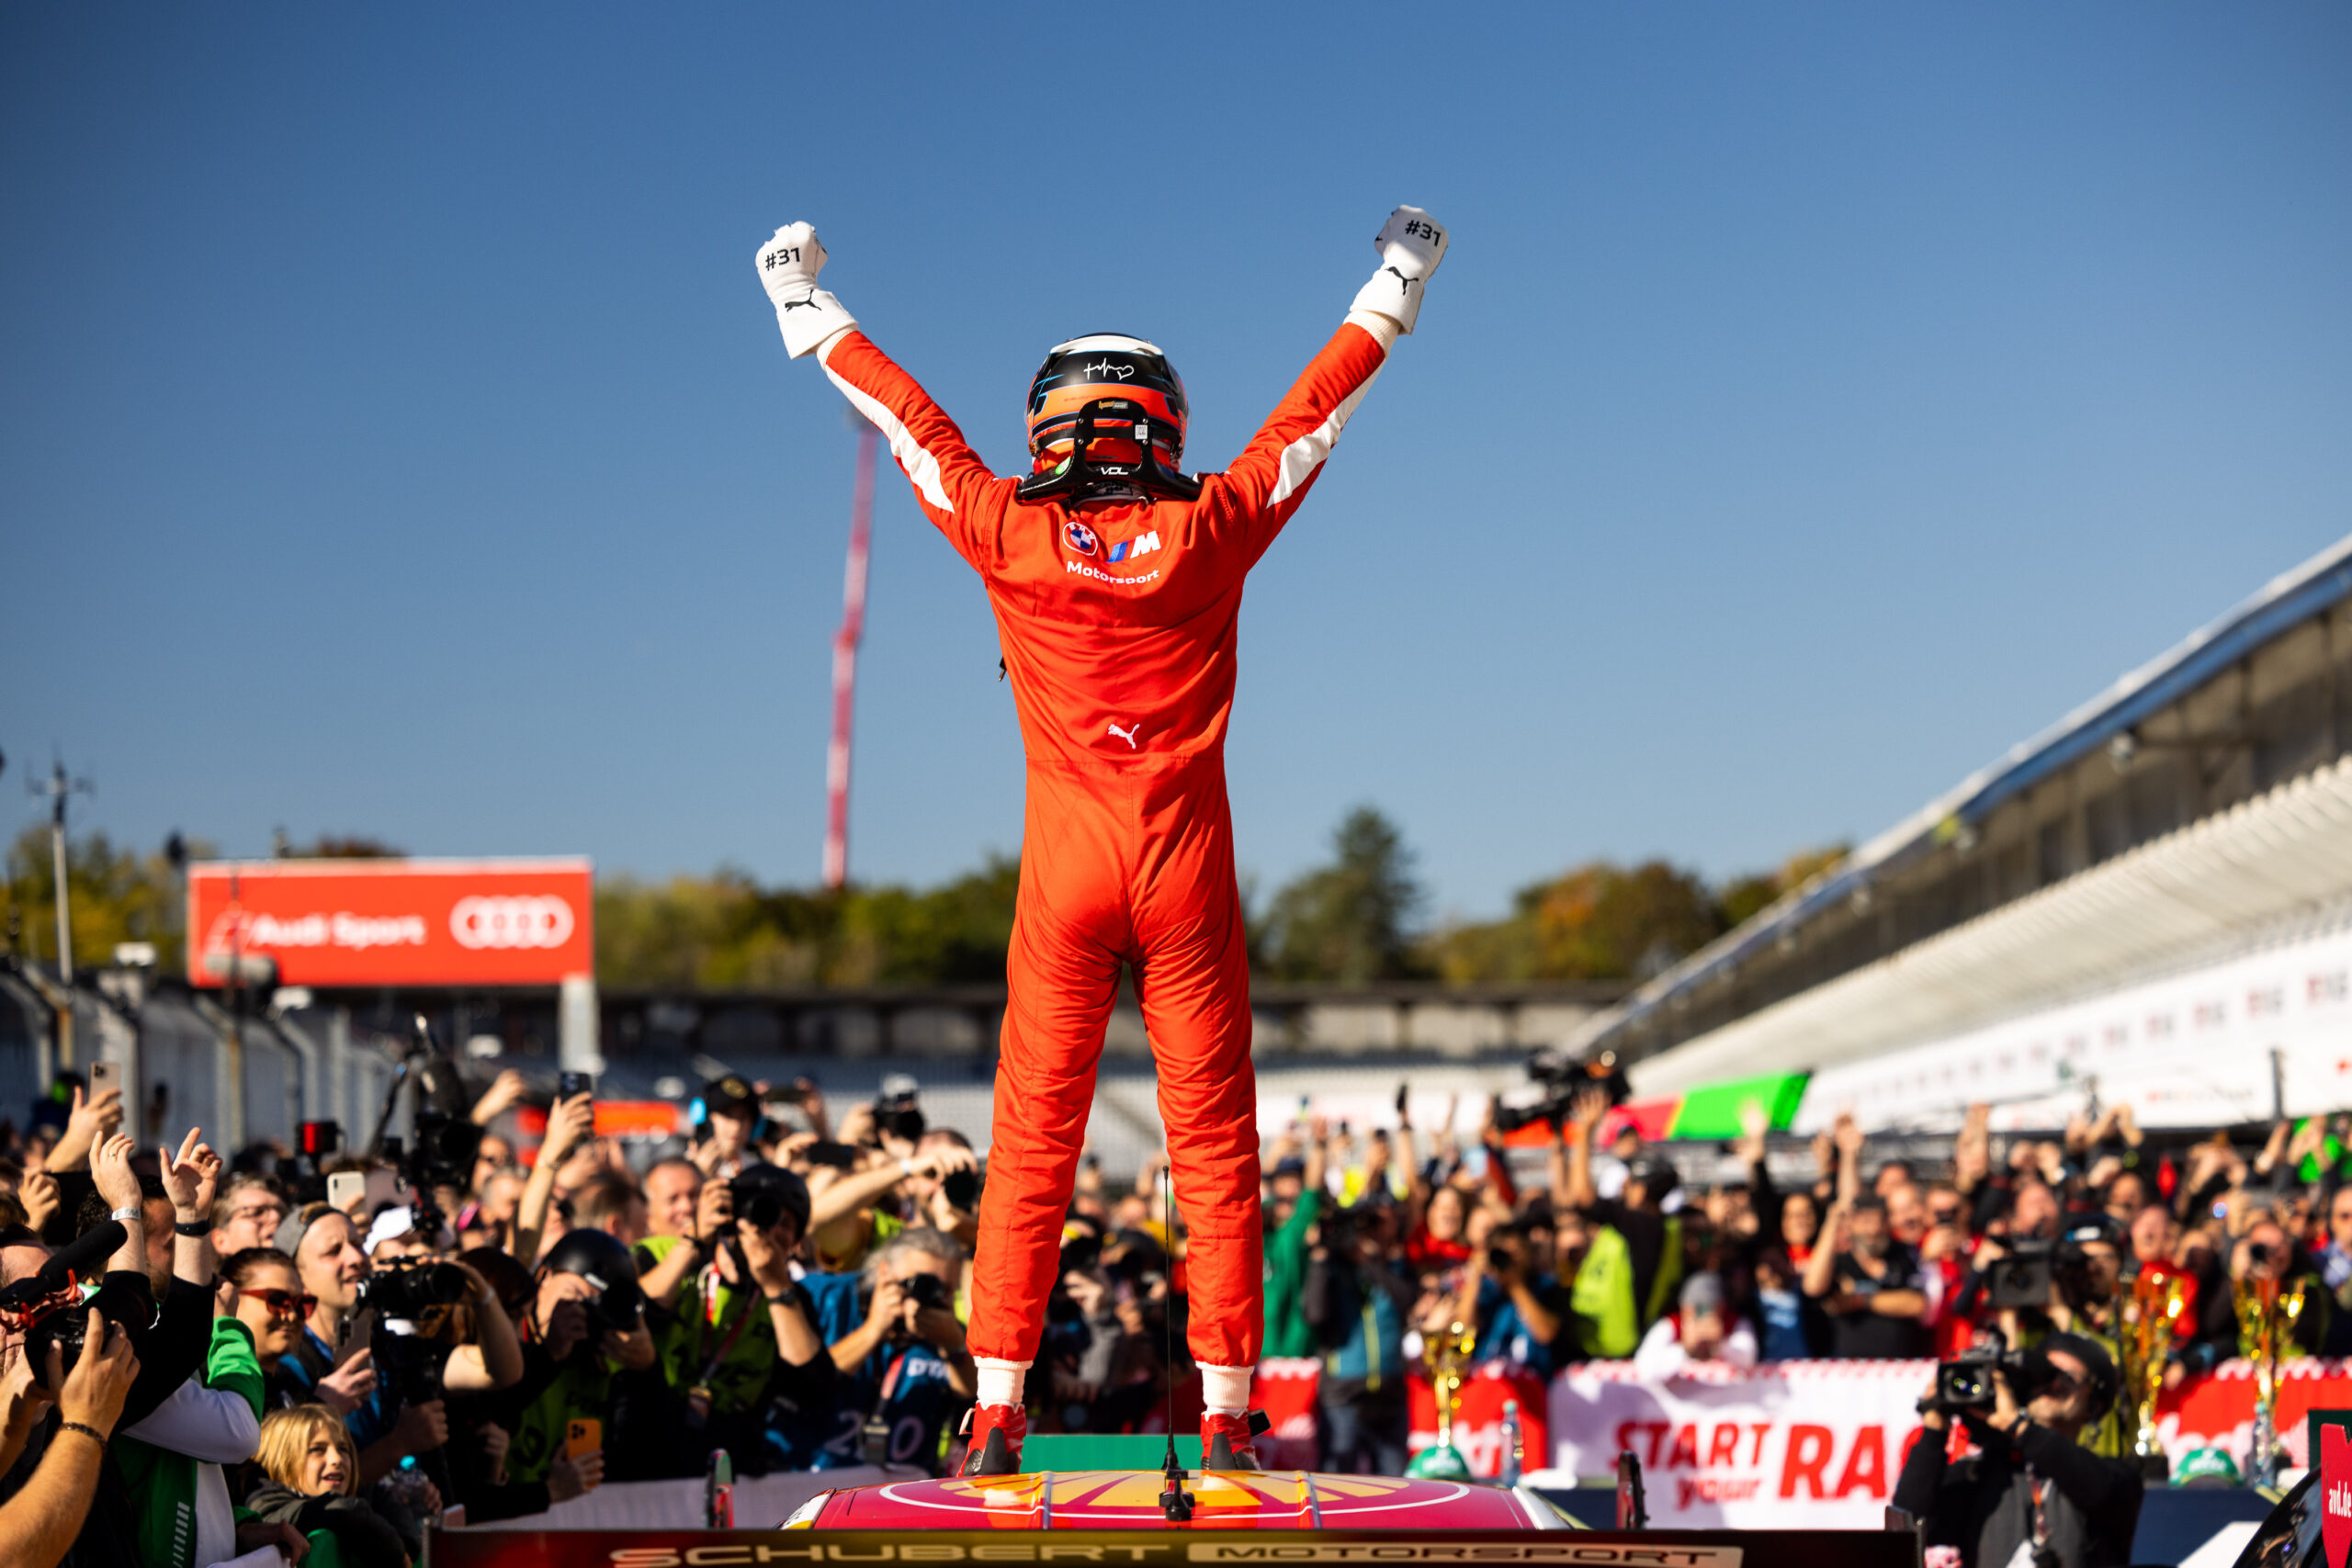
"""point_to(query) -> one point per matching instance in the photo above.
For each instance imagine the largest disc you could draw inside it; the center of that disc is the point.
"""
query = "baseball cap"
(1704, 1292)
(2205, 1467)
(733, 1093)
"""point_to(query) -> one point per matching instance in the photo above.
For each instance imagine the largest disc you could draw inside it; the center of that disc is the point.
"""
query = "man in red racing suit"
(1117, 622)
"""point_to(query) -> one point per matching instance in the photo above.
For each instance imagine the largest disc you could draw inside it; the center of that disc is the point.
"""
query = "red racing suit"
(1117, 622)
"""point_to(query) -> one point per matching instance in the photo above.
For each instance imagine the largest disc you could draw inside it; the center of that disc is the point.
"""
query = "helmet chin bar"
(1080, 477)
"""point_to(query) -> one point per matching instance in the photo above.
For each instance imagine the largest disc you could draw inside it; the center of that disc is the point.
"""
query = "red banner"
(1478, 1418)
(392, 922)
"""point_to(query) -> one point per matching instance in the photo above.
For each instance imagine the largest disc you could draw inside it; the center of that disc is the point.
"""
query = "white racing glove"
(1411, 248)
(788, 268)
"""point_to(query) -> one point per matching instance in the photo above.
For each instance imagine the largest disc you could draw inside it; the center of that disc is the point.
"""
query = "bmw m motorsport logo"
(1141, 545)
(1081, 537)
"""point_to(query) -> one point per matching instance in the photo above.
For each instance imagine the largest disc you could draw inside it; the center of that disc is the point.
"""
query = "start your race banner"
(1810, 1445)
(1794, 1445)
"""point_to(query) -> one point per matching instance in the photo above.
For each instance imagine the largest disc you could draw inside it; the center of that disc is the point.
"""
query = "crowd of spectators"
(1379, 1242)
(290, 1354)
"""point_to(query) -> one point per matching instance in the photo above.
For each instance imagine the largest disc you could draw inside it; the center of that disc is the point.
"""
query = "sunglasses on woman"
(285, 1304)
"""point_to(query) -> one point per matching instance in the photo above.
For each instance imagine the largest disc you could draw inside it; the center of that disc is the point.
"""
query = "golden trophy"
(2266, 1315)
(2150, 1311)
(1446, 1353)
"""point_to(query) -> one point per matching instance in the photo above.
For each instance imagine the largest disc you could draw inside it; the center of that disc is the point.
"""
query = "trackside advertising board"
(393, 922)
(1167, 1548)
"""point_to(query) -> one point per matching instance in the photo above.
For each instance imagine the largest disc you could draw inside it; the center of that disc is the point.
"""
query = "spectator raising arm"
(495, 1358)
(504, 1093)
(1587, 1109)
(85, 1126)
(568, 1125)
(1821, 1269)
(855, 1193)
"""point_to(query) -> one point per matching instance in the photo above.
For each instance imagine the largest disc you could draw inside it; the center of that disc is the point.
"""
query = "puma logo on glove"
(1408, 236)
(788, 266)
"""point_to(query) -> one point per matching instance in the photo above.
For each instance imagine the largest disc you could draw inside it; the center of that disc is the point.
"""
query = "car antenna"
(1175, 1502)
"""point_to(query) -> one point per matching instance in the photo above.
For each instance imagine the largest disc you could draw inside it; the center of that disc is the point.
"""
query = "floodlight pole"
(845, 641)
(57, 787)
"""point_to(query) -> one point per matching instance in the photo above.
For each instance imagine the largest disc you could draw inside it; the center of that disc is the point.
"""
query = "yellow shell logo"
(1140, 1489)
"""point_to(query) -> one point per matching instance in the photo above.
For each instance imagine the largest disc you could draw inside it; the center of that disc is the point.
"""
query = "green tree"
(114, 895)
(1352, 920)
(724, 932)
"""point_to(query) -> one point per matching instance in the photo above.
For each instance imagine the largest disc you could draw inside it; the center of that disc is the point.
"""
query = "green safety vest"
(1601, 1300)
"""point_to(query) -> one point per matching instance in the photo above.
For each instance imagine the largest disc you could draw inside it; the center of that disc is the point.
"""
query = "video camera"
(2022, 1279)
(413, 1303)
(48, 1307)
(1561, 1079)
(1965, 1383)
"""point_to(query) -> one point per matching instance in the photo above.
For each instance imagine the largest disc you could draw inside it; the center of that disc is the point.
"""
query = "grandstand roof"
(2284, 601)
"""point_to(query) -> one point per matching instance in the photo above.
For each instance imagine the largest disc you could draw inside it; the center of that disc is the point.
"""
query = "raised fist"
(1411, 243)
(789, 265)
(808, 315)
(1411, 248)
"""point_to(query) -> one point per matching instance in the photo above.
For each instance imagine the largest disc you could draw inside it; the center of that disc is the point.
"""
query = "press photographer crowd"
(306, 1353)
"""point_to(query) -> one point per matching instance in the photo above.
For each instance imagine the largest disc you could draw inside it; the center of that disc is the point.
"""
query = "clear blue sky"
(394, 439)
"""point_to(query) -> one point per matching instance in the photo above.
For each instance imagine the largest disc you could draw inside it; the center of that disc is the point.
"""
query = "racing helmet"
(1107, 414)
(594, 1255)
(763, 1194)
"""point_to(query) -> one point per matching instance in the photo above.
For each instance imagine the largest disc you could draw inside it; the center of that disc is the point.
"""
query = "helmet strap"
(1082, 477)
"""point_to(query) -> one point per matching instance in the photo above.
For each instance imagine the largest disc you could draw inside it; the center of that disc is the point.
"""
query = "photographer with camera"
(49, 1326)
(589, 1406)
(56, 1470)
(905, 1369)
(377, 1348)
(736, 1334)
(855, 1193)
(2265, 1253)
(1358, 1305)
(2032, 1495)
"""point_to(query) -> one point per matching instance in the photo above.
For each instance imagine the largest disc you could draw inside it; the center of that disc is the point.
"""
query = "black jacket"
(1984, 1505)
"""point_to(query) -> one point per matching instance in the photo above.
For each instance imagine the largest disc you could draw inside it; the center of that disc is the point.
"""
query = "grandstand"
(2150, 901)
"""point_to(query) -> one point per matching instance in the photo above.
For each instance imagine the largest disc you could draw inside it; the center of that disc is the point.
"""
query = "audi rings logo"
(541, 921)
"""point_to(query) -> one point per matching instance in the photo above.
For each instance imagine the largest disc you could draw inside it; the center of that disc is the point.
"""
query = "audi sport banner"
(1818, 1444)
(392, 922)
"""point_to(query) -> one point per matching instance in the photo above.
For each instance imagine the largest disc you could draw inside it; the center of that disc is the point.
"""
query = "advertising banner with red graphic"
(1795, 1445)
(392, 922)
(2217, 1410)
(1818, 1444)
(1285, 1388)
(1478, 1418)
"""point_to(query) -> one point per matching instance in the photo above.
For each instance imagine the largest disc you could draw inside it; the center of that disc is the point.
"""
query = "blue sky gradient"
(394, 439)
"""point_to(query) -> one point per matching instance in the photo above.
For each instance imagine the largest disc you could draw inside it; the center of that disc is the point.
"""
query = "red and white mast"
(845, 641)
